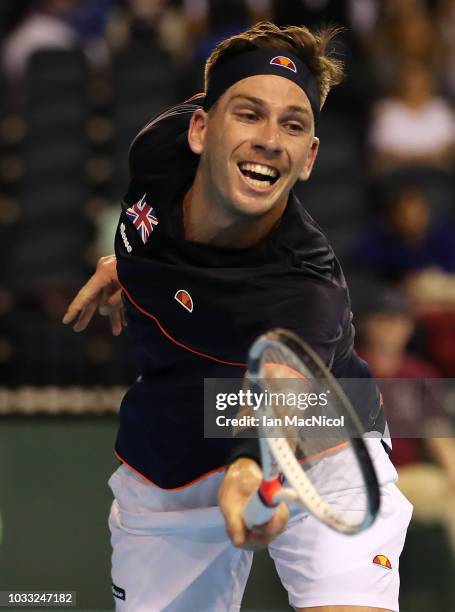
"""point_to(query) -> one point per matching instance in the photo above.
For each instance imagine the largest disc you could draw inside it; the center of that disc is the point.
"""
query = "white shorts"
(171, 552)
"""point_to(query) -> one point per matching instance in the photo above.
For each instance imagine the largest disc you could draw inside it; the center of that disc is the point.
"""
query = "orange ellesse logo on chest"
(184, 298)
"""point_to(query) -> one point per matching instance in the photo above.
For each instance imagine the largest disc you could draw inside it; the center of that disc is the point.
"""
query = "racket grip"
(256, 512)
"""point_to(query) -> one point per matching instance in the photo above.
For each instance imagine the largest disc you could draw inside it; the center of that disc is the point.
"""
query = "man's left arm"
(102, 293)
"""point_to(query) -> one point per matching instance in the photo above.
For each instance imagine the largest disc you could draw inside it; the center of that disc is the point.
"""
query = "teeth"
(257, 182)
(259, 169)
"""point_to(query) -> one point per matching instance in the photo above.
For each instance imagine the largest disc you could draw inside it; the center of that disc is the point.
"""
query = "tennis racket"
(325, 470)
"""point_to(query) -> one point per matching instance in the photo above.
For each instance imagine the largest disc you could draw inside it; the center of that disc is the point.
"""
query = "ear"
(312, 153)
(197, 131)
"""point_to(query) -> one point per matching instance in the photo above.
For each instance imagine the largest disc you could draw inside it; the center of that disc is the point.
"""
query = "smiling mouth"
(259, 175)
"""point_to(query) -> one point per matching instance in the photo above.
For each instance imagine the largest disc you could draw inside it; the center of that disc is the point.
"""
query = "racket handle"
(256, 512)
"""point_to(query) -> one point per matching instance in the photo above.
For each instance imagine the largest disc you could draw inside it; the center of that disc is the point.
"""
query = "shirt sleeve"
(356, 380)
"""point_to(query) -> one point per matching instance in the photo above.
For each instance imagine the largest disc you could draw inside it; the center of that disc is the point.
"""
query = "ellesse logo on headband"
(285, 62)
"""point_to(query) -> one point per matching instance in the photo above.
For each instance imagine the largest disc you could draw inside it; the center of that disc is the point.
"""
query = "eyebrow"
(259, 102)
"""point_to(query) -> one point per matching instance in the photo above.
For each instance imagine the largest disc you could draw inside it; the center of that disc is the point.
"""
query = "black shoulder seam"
(180, 109)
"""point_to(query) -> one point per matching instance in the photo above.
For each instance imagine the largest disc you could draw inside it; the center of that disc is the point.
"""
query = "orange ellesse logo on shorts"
(285, 62)
(185, 299)
(382, 561)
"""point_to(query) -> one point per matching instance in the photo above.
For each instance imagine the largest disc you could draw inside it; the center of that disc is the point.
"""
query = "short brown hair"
(309, 46)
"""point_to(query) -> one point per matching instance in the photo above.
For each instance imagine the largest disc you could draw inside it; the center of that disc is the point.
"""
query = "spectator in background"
(406, 31)
(89, 19)
(413, 127)
(44, 26)
(211, 21)
(426, 465)
(159, 22)
(49, 24)
(405, 245)
(446, 28)
(313, 12)
(356, 18)
(405, 240)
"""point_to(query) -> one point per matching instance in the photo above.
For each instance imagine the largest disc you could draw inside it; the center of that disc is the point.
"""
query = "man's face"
(255, 144)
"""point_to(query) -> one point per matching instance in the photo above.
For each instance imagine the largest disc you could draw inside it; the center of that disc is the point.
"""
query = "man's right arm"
(241, 479)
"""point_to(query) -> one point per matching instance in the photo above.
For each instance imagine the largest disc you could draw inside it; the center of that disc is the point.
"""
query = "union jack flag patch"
(143, 217)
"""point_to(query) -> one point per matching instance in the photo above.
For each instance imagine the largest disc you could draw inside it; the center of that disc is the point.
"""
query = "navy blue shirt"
(291, 279)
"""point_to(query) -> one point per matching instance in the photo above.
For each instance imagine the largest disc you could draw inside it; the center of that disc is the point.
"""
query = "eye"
(248, 116)
(294, 128)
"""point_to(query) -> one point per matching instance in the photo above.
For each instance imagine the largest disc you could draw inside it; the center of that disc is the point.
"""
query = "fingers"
(85, 316)
(241, 480)
(85, 303)
(112, 306)
(107, 263)
(89, 294)
(117, 322)
(260, 536)
(110, 302)
(73, 309)
(275, 526)
(236, 529)
(231, 506)
(70, 314)
(123, 317)
(102, 292)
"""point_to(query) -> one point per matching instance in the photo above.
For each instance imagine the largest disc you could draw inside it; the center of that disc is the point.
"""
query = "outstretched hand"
(242, 478)
(102, 292)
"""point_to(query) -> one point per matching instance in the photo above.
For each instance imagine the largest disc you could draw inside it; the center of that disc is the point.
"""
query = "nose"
(268, 138)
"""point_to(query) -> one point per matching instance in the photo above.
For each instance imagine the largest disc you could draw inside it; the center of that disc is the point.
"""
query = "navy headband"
(262, 61)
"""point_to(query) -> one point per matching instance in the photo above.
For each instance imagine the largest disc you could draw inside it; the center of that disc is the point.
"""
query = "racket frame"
(277, 456)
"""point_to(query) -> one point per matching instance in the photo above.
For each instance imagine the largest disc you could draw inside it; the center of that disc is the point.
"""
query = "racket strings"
(283, 374)
(324, 454)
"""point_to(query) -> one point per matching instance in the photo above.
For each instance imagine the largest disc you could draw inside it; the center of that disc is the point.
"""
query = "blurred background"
(78, 80)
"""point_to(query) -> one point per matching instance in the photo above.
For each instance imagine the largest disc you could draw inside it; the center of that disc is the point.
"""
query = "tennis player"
(212, 249)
